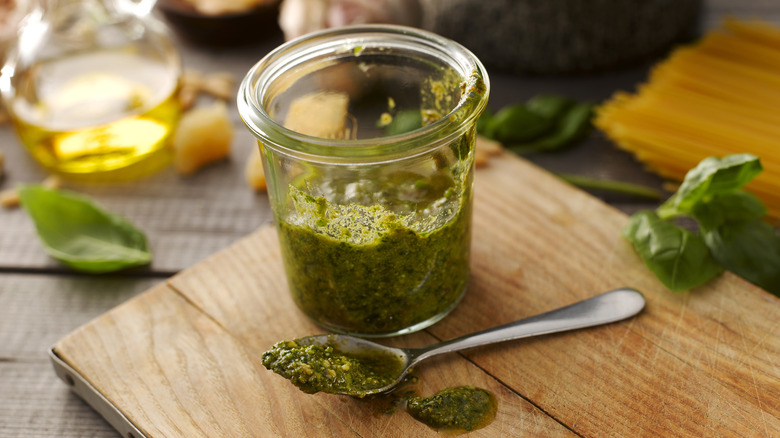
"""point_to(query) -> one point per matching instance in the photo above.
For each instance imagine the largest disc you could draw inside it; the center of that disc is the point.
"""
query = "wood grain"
(174, 372)
(538, 243)
(183, 357)
(712, 353)
(254, 306)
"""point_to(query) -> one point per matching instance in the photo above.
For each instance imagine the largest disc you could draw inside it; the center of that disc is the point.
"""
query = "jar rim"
(272, 134)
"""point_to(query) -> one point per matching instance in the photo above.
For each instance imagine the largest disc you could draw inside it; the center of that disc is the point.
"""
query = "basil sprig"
(731, 233)
(80, 234)
(544, 123)
(679, 258)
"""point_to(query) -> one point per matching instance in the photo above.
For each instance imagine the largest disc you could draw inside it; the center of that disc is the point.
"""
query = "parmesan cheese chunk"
(253, 172)
(9, 198)
(202, 136)
(321, 114)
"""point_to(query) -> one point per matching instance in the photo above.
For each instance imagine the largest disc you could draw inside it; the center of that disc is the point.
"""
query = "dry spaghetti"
(717, 97)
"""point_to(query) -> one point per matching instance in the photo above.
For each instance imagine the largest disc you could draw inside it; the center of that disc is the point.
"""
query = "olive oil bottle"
(98, 100)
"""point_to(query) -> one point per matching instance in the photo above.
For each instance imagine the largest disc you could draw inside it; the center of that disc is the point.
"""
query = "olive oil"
(107, 113)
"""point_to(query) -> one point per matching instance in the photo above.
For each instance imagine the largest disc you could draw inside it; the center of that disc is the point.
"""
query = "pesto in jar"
(372, 269)
(315, 368)
(464, 408)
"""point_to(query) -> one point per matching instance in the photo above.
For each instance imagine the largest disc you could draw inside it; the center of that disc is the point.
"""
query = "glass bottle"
(91, 88)
(367, 135)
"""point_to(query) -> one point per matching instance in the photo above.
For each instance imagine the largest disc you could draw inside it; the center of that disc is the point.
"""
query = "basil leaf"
(573, 126)
(80, 234)
(731, 227)
(730, 207)
(404, 121)
(710, 177)
(679, 258)
(750, 249)
(517, 124)
(549, 106)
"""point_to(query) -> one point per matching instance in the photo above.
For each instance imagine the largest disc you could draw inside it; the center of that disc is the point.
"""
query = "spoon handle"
(608, 307)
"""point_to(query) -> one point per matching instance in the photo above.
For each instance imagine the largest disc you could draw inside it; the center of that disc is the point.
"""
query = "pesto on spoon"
(341, 364)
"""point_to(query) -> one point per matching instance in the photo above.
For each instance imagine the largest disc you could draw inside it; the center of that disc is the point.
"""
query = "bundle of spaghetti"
(718, 96)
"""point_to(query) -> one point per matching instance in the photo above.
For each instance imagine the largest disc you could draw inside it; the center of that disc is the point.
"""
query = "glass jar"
(367, 136)
(91, 88)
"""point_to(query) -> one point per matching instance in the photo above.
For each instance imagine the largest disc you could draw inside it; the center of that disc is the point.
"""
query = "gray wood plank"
(35, 312)
(35, 403)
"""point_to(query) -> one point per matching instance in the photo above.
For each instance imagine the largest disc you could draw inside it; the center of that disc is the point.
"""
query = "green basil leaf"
(710, 177)
(80, 234)
(725, 208)
(679, 258)
(517, 124)
(750, 249)
(572, 127)
(404, 121)
(549, 106)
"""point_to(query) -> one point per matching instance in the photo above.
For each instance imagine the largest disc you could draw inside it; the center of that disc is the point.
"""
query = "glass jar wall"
(367, 135)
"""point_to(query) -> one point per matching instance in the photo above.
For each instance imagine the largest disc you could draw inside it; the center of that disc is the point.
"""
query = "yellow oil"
(105, 115)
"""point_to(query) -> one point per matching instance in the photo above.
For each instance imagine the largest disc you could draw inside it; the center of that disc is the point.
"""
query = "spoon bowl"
(601, 309)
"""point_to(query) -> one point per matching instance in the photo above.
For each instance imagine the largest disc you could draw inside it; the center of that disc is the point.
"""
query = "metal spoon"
(608, 307)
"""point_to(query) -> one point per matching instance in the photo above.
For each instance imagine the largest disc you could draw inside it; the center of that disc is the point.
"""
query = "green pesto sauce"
(372, 270)
(464, 408)
(315, 368)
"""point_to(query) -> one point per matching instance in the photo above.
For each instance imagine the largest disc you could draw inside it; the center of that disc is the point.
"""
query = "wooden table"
(188, 219)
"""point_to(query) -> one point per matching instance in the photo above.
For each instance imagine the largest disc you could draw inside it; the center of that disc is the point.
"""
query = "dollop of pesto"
(464, 408)
(371, 268)
(315, 368)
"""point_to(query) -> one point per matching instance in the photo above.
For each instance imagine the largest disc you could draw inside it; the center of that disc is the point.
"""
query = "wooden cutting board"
(182, 359)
